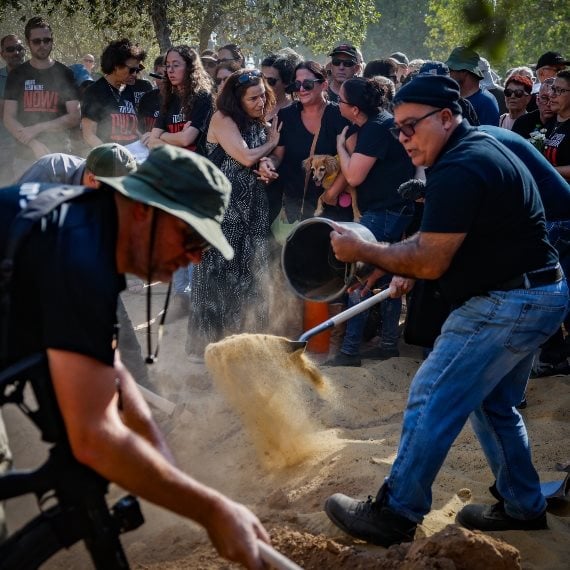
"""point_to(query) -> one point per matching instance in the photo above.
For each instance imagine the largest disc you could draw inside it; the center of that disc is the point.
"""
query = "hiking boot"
(342, 359)
(494, 517)
(369, 520)
(381, 353)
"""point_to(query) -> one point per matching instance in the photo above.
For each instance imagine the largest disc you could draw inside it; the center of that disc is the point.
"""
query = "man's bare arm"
(423, 256)
(87, 396)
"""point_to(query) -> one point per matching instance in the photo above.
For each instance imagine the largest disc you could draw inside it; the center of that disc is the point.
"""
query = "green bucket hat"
(464, 59)
(184, 184)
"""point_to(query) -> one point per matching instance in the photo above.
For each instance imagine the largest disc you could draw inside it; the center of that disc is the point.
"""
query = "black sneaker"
(544, 369)
(369, 520)
(381, 353)
(494, 517)
(342, 359)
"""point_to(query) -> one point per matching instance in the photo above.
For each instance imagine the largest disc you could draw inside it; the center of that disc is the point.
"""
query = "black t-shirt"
(42, 95)
(393, 167)
(297, 141)
(527, 123)
(66, 284)
(113, 111)
(174, 119)
(140, 87)
(557, 143)
(148, 110)
(479, 187)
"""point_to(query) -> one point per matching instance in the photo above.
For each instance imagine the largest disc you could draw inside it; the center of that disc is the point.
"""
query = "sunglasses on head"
(343, 62)
(272, 81)
(133, 70)
(409, 128)
(248, 77)
(12, 49)
(518, 93)
(306, 84)
(38, 41)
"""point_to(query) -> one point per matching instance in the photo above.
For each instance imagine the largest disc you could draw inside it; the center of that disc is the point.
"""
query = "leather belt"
(532, 279)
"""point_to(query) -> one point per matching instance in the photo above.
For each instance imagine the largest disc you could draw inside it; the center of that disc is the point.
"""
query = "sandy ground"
(340, 437)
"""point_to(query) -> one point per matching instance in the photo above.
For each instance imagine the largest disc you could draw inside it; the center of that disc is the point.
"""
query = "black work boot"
(369, 520)
(493, 517)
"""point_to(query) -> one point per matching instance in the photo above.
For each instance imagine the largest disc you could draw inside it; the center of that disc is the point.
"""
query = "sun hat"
(432, 90)
(110, 159)
(464, 59)
(183, 184)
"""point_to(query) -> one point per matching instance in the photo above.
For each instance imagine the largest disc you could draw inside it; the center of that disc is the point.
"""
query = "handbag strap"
(311, 154)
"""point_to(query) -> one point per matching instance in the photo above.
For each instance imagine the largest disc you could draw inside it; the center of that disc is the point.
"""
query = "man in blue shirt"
(463, 66)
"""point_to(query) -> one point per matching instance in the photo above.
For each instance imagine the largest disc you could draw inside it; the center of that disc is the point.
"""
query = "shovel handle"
(347, 314)
(276, 559)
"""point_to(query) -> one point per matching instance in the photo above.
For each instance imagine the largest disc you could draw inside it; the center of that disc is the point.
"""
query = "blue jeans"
(478, 368)
(182, 280)
(389, 227)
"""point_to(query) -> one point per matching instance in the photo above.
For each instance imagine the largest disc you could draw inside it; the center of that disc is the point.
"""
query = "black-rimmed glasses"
(558, 90)
(409, 128)
(306, 84)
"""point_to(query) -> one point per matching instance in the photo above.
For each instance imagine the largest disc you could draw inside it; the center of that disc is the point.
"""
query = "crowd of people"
(481, 227)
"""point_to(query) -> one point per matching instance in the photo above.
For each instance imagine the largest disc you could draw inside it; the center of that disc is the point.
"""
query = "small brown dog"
(324, 169)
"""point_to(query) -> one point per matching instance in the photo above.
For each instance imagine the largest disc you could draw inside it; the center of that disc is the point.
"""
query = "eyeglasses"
(518, 93)
(345, 102)
(194, 242)
(209, 63)
(248, 77)
(12, 49)
(133, 70)
(38, 41)
(558, 90)
(306, 84)
(343, 62)
(409, 128)
(272, 81)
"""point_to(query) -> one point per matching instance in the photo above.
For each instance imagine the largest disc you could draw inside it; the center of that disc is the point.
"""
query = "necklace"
(115, 92)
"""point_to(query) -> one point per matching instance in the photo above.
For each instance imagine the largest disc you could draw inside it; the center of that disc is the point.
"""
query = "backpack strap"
(44, 203)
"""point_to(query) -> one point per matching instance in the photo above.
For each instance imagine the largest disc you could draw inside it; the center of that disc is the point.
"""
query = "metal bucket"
(309, 264)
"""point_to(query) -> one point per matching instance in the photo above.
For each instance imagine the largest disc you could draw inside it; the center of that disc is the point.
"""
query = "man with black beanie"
(483, 237)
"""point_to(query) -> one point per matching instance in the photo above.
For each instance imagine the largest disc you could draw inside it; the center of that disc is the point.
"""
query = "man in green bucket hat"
(63, 300)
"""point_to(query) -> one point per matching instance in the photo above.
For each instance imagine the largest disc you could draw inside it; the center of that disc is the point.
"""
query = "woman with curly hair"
(227, 297)
(187, 102)
(108, 107)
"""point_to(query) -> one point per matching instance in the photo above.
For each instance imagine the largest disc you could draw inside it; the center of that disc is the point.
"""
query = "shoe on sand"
(342, 359)
(493, 517)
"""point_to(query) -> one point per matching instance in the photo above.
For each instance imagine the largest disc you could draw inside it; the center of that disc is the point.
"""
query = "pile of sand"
(282, 442)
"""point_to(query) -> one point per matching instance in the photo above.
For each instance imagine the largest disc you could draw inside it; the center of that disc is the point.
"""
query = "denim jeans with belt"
(387, 226)
(478, 368)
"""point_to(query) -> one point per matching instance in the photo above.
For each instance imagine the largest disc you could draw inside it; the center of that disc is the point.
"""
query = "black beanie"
(433, 90)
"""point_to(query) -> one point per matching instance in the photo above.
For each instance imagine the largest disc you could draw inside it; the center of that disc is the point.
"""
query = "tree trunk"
(158, 10)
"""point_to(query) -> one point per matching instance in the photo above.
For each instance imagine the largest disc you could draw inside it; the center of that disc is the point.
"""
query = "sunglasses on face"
(193, 242)
(306, 84)
(343, 62)
(248, 77)
(38, 41)
(225, 59)
(409, 128)
(272, 81)
(558, 90)
(209, 63)
(12, 49)
(518, 93)
(133, 70)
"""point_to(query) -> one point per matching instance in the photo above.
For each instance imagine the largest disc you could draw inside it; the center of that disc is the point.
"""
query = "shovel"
(343, 316)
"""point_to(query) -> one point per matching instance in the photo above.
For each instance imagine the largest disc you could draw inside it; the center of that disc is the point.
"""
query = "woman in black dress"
(227, 297)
